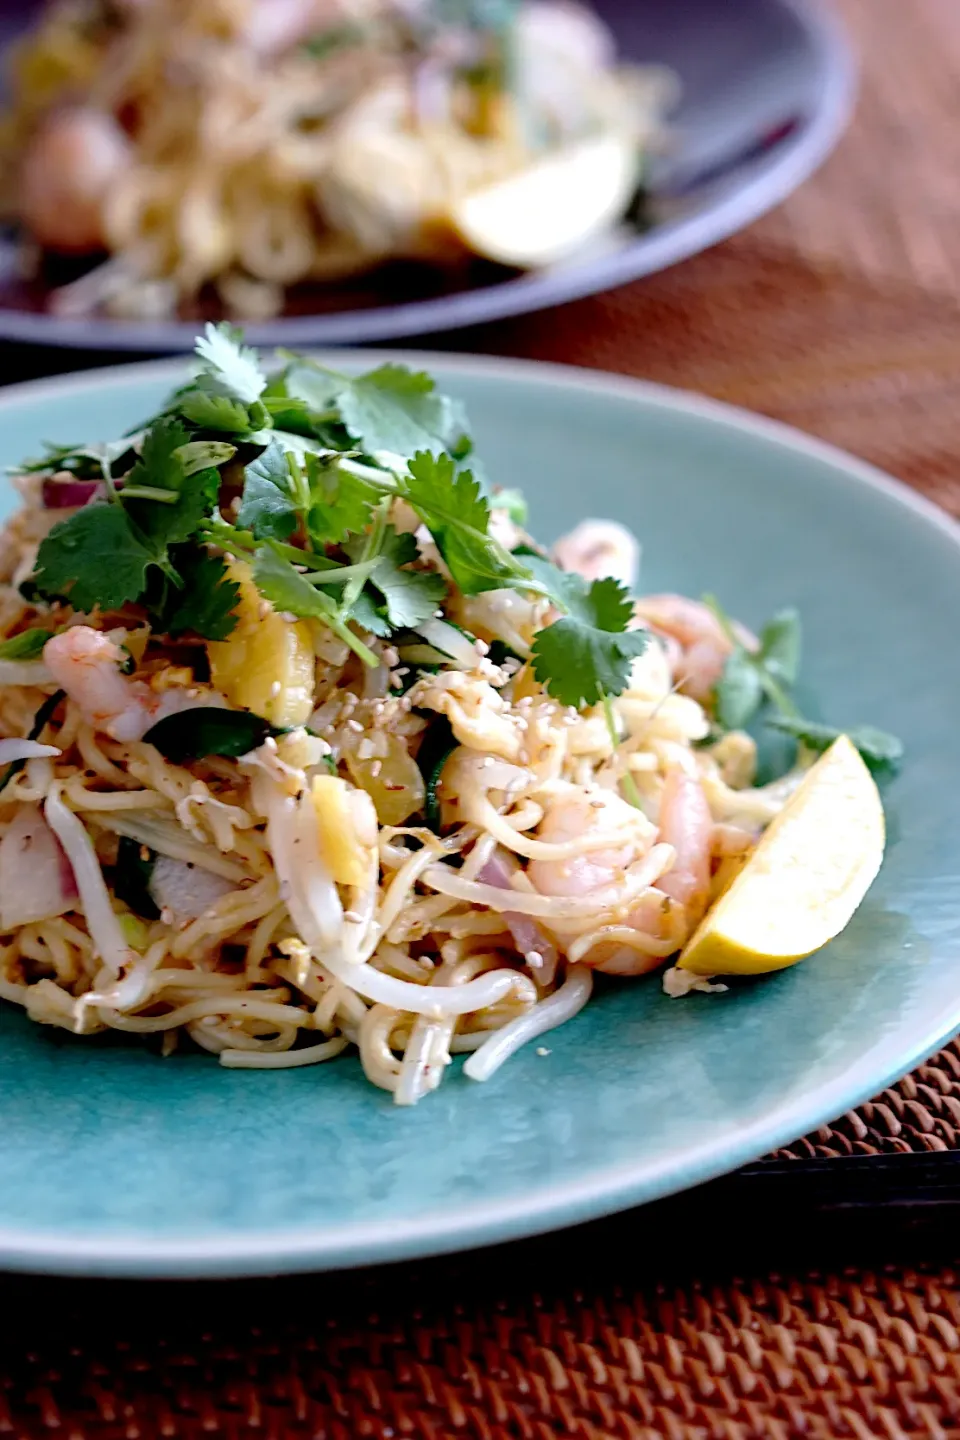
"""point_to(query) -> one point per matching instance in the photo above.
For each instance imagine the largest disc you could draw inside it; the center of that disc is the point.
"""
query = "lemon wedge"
(806, 877)
(550, 209)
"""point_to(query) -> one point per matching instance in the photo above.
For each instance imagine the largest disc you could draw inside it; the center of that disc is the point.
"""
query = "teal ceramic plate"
(114, 1161)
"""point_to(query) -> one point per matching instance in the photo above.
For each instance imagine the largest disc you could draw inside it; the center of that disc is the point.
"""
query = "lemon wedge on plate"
(547, 211)
(806, 877)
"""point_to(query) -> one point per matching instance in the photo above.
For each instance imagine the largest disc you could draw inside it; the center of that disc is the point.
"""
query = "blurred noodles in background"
(235, 149)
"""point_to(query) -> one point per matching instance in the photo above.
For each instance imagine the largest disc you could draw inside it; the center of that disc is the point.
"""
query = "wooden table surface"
(839, 312)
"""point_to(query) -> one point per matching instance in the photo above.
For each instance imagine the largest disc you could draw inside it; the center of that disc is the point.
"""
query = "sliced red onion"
(36, 878)
(70, 493)
(186, 890)
(530, 938)
(103, 924)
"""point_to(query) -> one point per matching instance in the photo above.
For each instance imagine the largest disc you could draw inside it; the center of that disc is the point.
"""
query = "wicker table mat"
(839, 315)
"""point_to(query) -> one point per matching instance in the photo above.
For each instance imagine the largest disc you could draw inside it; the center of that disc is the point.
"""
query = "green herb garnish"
(323, 457)
(28, 645)
(753, 680)
(208, 730)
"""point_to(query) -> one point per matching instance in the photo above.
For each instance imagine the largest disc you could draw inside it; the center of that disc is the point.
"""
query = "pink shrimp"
(575, 815)
(704, 644)
(67, 172)
(687, 825)
(86, 664)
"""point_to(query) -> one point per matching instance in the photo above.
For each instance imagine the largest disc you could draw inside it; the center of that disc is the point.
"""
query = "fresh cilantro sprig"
(114, 553)
(322, 457)
(753, 679)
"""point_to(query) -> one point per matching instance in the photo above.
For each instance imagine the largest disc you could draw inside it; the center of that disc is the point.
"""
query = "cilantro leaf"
(268, 508)
(457, 514)
(588, 653)
(28, 645)
(370, 615)
(739, 692)
(161, 467)
(207, 599)
(342, 504)
(286, 589)
(409, 596)
(86, 462)
(205, 455)
(232, 366)
(393, 408)
(215, 412)
(95, 558)
(880, 750)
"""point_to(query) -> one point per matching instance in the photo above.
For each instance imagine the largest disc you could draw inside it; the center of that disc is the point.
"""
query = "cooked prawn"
(87, 665)
(598, 548)
(579, 814)
(704, 644)
(687, 825)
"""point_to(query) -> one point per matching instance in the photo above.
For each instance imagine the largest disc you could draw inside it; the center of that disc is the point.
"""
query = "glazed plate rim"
(604, 1190)
(667, 244)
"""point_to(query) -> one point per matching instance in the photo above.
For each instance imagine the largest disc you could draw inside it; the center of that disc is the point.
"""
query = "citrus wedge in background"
(808, 874)
(549, 209)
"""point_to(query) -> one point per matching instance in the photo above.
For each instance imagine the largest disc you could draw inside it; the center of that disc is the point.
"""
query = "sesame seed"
(270, 743)
(166, 915)
(542, 1050)
(390, 656)
(375, 769)
(352, 918)
(230, 559)
(534, 959)
(289, 616)
(482, 646)
(275, 689)
(355, 726)
(263, 609)
(235, 504)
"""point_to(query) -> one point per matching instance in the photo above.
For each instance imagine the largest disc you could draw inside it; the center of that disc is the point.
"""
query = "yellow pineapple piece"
(346, 832)
(267, 664)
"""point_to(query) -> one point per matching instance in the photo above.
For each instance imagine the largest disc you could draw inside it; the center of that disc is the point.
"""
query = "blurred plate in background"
(767, 87)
